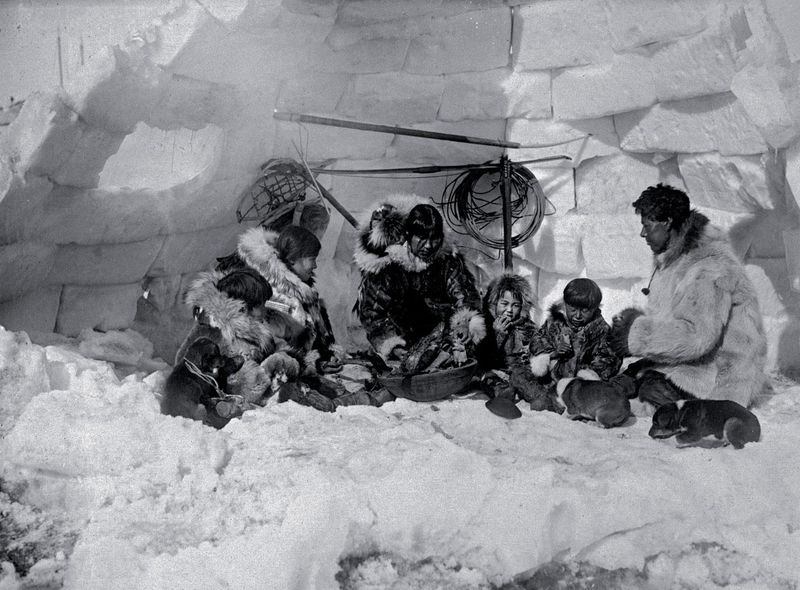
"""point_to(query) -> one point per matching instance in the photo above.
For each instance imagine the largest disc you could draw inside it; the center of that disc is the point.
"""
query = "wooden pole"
(425, 169)
(60, 64)
(505, 193)
(394, 130)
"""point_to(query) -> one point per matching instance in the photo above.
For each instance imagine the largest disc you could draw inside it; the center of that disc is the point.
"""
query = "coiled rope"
(472, 202)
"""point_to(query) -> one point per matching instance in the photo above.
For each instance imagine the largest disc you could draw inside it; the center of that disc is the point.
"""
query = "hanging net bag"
(282, 195)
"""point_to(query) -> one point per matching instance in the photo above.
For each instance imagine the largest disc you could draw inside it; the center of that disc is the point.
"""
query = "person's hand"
(459, 353)
(502, 324)
(620, 327)
(563, 350)
(399, 353)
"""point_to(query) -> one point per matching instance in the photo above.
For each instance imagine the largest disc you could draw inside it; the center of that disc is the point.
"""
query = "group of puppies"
(199, 381)
(690, 421)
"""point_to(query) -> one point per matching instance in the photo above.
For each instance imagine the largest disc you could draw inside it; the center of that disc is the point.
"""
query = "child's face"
(509, 306)
(579, 316)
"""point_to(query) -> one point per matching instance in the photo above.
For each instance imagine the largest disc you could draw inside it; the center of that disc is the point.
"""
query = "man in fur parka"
(412, 279)
(702, 330)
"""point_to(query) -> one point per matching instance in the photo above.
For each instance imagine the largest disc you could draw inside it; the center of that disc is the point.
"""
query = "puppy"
(186, 393)
(586, 397)
(693, 420)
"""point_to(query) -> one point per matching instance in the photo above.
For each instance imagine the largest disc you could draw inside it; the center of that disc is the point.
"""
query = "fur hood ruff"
(384, 243)
(257, 249)
(226, 314)
(696, 229)
(559, 314)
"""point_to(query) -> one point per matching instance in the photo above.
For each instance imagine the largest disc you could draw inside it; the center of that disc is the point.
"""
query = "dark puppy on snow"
(586, 397)
(693, 420)
(197, 380)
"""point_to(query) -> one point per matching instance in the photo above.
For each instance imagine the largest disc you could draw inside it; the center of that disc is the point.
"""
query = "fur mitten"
(280, 362)
(621, 326)
(251, 382)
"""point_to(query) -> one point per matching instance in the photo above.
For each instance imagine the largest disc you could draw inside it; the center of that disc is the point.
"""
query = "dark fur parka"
(702, 326)
(590, 348)
(402, 297)
(497, 349)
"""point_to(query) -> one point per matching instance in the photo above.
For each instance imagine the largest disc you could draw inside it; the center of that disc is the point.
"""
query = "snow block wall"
(125, 181)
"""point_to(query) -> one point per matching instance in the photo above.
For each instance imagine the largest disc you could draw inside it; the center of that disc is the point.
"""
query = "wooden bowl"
(428, 387)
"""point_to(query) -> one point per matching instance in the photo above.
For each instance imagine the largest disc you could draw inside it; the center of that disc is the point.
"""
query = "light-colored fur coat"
(702, 324)
(257, 248)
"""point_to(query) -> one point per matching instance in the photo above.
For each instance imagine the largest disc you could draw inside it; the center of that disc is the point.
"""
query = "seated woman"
(412, 280)
(287, 260)
(229, 311)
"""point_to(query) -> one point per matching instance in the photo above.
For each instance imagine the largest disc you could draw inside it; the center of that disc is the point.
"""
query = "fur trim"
(558, 313)
(380, 242)
(257, 249)
(281, 364)
(369, 261)
(382, 227)
(468, 322)
(389, 344)
(702, 327)
(251, 382)
(689, 237)
(540, 364)
(510, 282)
(239, 331)
(477, 328)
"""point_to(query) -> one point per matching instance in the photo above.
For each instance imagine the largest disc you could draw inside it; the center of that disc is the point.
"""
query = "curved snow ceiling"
(158, 159)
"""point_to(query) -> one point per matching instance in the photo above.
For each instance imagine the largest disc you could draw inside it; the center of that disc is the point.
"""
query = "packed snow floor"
(98, 490)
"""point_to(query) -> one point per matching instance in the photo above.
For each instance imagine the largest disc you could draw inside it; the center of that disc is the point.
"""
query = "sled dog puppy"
(586, 397)
(693, 420)
(200, 377)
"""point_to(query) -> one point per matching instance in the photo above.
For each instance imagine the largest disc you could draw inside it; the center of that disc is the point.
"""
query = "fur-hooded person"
(412, 277)
(229, 310)
(507, 307)
(287, 260)
(574, 337)
(702, 328)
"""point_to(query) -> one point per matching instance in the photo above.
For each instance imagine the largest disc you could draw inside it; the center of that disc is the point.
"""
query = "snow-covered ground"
(101, 491)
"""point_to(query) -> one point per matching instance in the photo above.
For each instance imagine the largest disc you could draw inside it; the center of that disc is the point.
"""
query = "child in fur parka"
(412, 279)
(575, 336)
(503, 354)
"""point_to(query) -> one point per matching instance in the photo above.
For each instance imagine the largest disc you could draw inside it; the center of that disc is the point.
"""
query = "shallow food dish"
(428, 387)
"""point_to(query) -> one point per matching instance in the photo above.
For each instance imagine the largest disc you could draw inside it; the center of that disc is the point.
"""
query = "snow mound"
(395, 497)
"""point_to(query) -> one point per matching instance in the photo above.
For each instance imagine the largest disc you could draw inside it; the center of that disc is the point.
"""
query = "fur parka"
(402, 297)
(702, 325)
(589, 345)
(497, 349)
(257, 250)
(226, 322)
